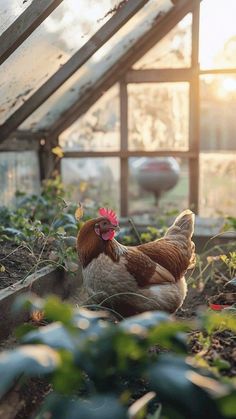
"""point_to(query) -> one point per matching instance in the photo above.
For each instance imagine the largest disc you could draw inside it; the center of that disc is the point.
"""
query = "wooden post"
(124, 162)
(48, 162)
(194, 113)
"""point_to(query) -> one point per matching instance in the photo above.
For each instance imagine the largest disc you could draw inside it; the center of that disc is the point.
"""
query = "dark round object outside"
(158, 174)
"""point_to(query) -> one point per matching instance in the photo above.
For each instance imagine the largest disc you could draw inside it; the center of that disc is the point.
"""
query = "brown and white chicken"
(134, 279)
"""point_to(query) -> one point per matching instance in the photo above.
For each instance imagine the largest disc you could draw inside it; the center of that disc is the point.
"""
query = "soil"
(18, 263)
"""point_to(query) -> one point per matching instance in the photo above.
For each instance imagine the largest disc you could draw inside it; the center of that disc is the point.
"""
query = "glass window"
(158, 116)
(98, 129)
(157, 185)
(217, 184)
(173, 51)
(64, 31)
(102, 61)
(10, 11)
(218, 110)
(19, 171)
(93, 181)
(218, 34)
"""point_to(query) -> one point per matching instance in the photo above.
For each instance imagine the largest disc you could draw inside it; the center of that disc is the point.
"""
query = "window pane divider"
(159, 75)
(194, 113)
(131, 153)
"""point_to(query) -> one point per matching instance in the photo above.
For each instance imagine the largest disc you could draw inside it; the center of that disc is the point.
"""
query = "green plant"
(230, 223)
(99, 369)
(152, 233)
(230, 262)
(44, 225)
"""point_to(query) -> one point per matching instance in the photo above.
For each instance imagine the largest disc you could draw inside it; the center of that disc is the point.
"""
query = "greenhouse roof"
(57, 58)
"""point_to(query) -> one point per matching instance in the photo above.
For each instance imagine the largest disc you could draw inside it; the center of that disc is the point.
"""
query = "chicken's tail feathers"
(184, 224)
(181, 231)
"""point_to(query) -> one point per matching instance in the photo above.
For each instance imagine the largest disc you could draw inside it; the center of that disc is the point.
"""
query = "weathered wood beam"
(159, 75)
(22, 141)
(72, 65)
(218, 71)
(124, 162)
(24, 25)
(16, 144)
(130, 153)
(29, 135)
(164, 24)
(194, 113)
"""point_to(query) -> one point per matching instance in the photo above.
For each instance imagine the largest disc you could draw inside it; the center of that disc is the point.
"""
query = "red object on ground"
(218, 307)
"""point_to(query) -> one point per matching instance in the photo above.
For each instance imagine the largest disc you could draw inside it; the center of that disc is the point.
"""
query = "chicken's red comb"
(110, 214)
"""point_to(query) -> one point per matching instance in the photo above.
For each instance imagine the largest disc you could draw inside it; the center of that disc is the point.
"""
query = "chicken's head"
(106, 226)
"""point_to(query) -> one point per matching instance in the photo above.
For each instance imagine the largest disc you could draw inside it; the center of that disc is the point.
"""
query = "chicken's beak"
(115, 228)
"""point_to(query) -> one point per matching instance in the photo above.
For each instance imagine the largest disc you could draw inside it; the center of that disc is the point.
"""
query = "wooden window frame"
(190, 75)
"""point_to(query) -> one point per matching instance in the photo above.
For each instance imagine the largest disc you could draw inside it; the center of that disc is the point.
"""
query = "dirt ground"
(19, 261)
(22, 402)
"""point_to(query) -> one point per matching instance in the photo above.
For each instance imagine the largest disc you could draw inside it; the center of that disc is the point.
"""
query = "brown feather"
(168, 254)
(141, 267)
(125, 277)
(90, 245)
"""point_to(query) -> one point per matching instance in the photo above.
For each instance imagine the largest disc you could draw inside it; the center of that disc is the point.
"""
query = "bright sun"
(229, 84)
(226, 87)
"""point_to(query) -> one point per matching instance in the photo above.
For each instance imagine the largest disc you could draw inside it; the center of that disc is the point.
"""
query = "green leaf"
(218, 321)
(69, 241)
(55, 310)
(141, 323)
(169, 378)
(170, 335)
(68, 378)
(98, 407)
(30, 360)
(12, 232)
(23, 329)
(221, 364)
(91, 323)
(227, 405)
(54, 335)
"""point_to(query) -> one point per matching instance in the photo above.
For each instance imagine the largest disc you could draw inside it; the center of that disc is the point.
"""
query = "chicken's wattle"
(108, 235)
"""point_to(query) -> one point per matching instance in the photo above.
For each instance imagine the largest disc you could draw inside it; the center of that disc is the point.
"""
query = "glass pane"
(173, 51)
(68, 27)
(218, 34)
(98, 129)
(217, 184)
(218, 110)
(158, 185)
(18, 172)
(101, 62)
(93, 181)
(158, 116)
(10, 11)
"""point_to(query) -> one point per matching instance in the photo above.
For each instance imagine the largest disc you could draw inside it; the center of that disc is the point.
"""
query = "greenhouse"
(117, 118)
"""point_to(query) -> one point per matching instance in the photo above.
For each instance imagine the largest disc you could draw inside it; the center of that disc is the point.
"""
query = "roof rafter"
(119, 69)
(72, 65)
(24, 25)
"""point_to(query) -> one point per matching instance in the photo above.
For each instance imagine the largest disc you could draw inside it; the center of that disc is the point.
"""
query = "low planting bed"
(64, 362)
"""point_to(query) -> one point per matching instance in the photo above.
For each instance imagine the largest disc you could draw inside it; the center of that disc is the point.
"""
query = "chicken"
(134, 279)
